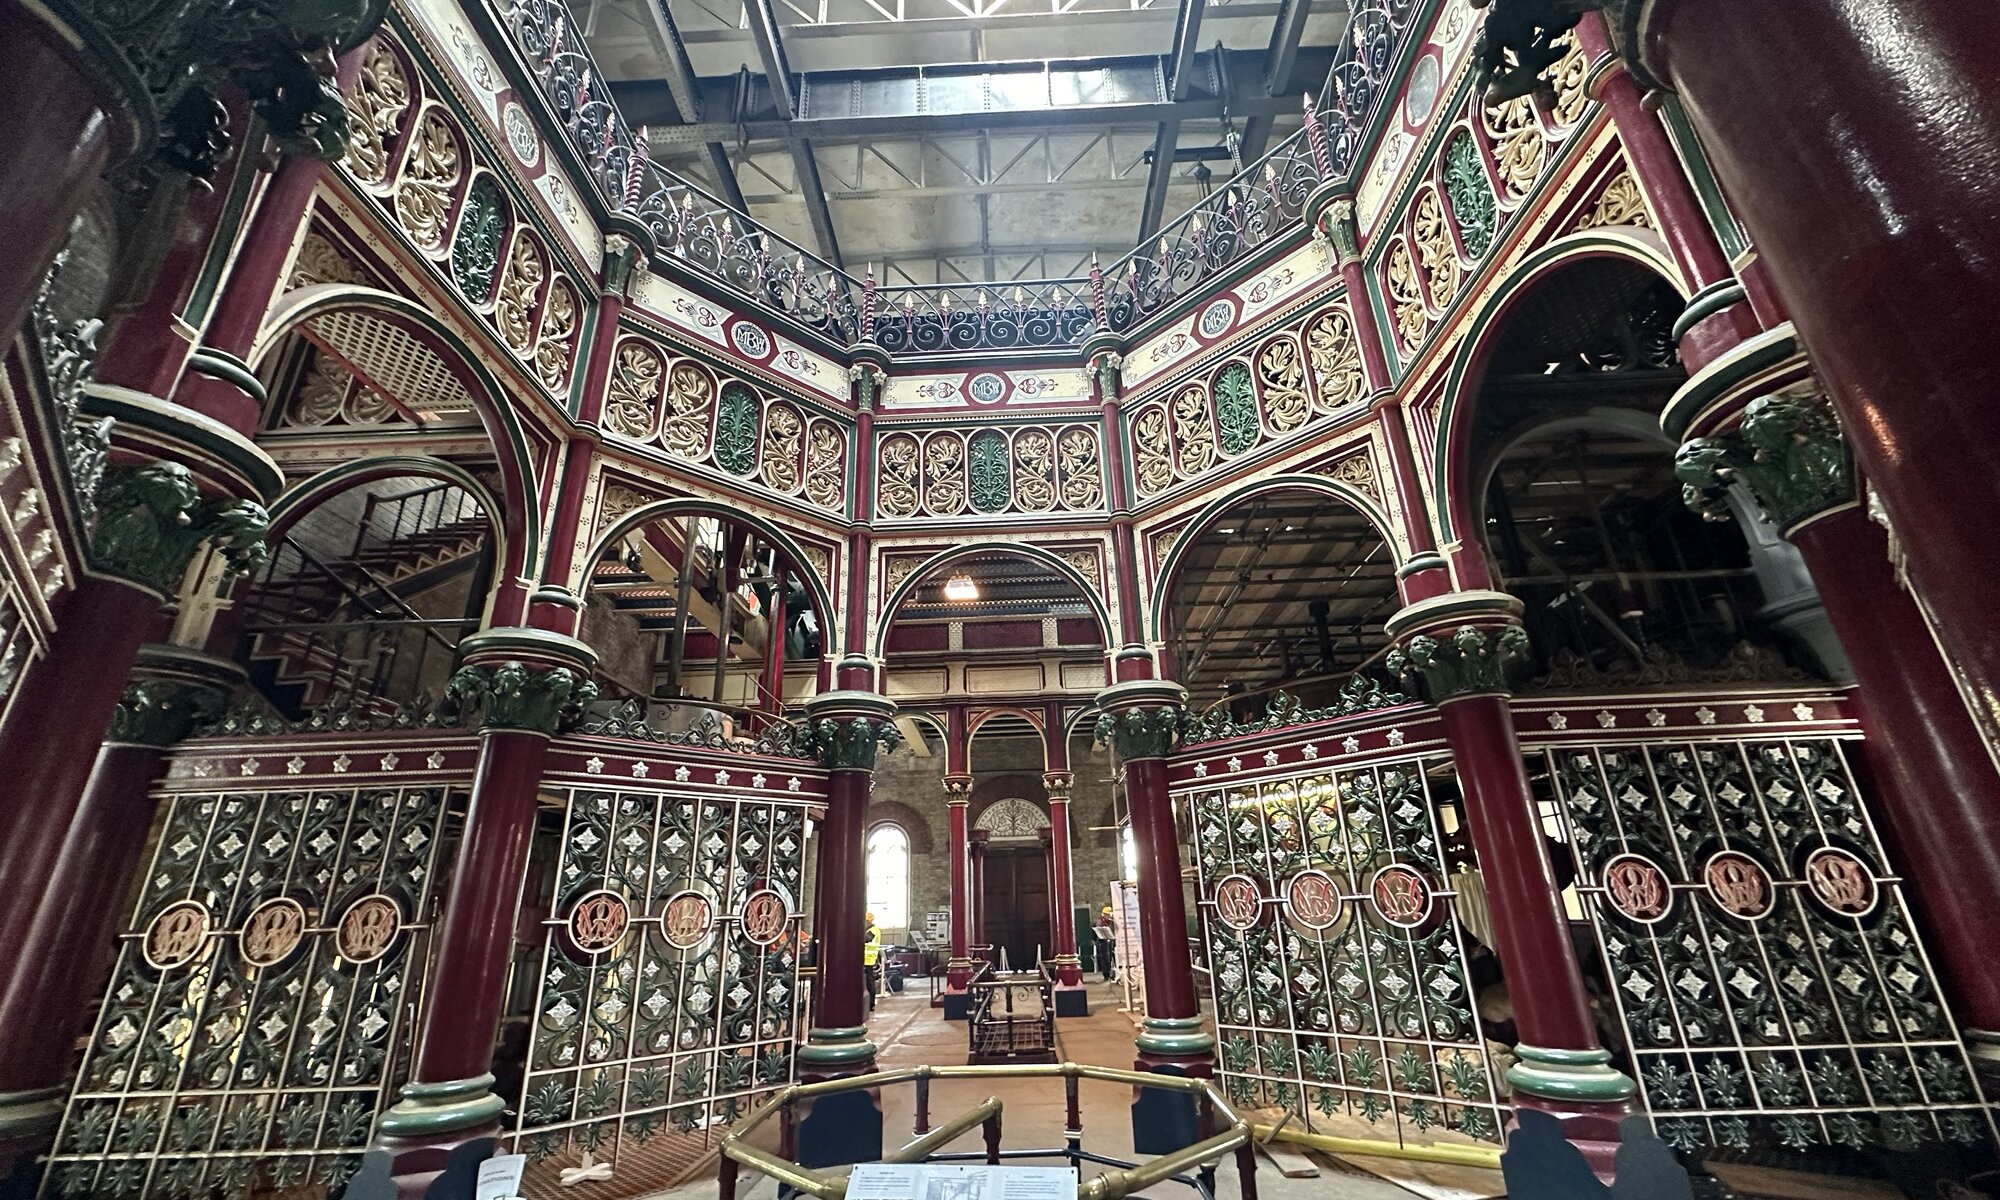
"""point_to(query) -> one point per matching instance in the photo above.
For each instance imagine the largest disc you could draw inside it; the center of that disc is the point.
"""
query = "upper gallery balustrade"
(705, 235)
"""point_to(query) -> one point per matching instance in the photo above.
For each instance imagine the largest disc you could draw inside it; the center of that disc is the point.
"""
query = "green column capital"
(1787, 451)
(151, 519)
(845, 730)
(1467, 661)
(516, 695)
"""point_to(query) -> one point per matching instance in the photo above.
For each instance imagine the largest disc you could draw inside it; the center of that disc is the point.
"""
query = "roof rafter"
(778, 74)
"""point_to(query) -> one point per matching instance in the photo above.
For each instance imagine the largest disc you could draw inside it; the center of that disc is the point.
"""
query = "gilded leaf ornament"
(1569, 79)
(320, 394)
(1519, 149)
(1034, 470)
(552, 347)
(689, 408)
(319, 261)
(520, 291)
(1281, 379)
(826, 463)
(784, 441)
(634, 390)
(1435, 250)
(944, 475)
(1336, 359)
(896, 487)
(1082, 474)
(1621, 203)
(375, 111)
(1194, 435)
(1406, 296)
(736, 429)
(431, 170)
(1151, 451)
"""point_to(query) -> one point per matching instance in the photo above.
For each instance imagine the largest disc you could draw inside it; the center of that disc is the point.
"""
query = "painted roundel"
(1636, 888)
(987, 387)
(765, 916)
(749, 340)
(598, 920)
(1401, 895)
(368, 928)
(1739, 885)
(687, 920)
(272, 931)
(1312, 903)
(176, 936)
(1216, 318)
(1842, 882)
(1238, 902)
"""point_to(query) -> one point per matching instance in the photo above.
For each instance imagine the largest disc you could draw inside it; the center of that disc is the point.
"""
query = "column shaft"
(1062, 915)
(1942, 799)
(1163, 943)
(843, 891)
(1860, 144)
(958, 848)
(982, 949)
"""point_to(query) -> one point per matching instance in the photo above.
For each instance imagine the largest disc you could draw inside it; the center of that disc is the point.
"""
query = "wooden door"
(1017, 903)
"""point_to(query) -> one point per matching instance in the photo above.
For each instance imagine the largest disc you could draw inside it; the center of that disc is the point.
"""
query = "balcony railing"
(1264, 201)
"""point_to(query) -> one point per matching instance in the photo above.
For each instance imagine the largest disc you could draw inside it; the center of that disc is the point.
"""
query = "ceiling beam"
(778, 78)
(867, 105)
(685, 87)
(1180, 84)
(1280, 59)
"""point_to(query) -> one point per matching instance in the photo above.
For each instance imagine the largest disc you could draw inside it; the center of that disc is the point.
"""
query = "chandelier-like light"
(960, 589)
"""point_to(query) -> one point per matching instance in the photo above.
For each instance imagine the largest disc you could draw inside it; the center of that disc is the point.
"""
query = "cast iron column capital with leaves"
(1787, 451)
(1141, 718)
(847, 729)
(524, 680)
(1459, 644)
(152, 518)
(176, 693)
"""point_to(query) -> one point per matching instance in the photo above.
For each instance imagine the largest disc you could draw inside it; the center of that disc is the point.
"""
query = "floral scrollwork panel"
(375, 110)
(1621, 203)
(432, 168)
(898, 472)
(558, 331)
(1519, 148)
(1081, 468)
(633, 396)
(1151, 450)
(986, 471)
(736, 429)
(1034, 470)
(690, 409)
(1236, 409)
(784, 444)
(1281, 385)
(475, 246)
(1569, 80)
(520, 292)
(1336, 359)
(1406, 296)
(944, 474)
(826, 465)
(1194, 432)
(1435, 249)
(1471, 196)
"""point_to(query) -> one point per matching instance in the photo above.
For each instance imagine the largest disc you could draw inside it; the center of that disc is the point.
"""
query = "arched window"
(1128, 853)
(889, 876)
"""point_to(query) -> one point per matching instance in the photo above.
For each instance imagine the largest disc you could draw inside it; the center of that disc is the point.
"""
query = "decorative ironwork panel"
(1337, 959)
(256, 1019)
(669, 991)
(1771, 983)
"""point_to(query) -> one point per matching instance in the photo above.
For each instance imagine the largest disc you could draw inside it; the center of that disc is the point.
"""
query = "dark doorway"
(1017, 903)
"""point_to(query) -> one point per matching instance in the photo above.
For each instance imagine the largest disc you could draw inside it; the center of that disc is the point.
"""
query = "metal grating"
(390, 361)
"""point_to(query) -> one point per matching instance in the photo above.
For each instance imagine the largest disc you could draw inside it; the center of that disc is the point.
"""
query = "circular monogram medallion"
(1636, 888)
(598, 920)
(273, 930)
(1216, 317)
(687, 919)
(986, 387)
(1739, 885)
(1401, 896)
(1238, 903)
(1842, 882)
(1312, 901)
(765, 916)
(520, 129)
(368, 928)
(749, 340)
(176, 935)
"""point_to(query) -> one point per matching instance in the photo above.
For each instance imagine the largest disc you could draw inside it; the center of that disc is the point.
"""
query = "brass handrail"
(1235, 1134)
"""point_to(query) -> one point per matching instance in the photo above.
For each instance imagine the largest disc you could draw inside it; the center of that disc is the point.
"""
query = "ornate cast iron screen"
(669, 986)
(256, 1018)
(1336, 956)
(1766, 970)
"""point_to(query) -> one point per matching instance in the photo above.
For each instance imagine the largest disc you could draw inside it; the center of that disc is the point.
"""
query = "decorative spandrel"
(1337, 956)
(1770, 981)
(260, 1003)
(668, 995)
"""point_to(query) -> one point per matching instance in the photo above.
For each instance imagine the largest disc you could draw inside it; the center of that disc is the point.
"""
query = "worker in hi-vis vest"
(871, 960)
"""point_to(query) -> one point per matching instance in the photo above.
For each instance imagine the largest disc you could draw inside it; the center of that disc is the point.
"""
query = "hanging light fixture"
(960, 589)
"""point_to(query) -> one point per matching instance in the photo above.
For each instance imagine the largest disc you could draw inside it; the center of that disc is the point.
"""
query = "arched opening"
(701, 619)
(1283, 590)
(368, 590)
(1581, 515)
(888, 880)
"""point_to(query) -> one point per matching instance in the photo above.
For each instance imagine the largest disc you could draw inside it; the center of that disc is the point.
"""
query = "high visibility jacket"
(872, 948)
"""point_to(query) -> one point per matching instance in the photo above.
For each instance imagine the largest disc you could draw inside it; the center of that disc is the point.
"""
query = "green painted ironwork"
(736, 429)
(986, 469)
(1471, 194)
(475, 248)
(1236, 409)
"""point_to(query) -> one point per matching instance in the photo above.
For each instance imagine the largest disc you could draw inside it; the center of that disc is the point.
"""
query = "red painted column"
(450, 1097)
(975, 872)
(837, 1044)
(1943, 796)
(1062, 917)
(958, 851)
(771, 681)
(1562, 1068)
(1860, 145)
(72, 110)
